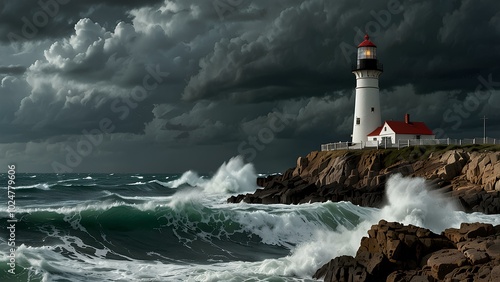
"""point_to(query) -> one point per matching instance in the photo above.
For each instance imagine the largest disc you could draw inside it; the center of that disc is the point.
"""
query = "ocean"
(178, 227)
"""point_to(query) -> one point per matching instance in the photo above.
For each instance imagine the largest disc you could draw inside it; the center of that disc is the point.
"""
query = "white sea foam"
(189, 177)
(67, 180)
(164, 184)
(188, 196)
(231, 177)
(411, 202)
(136, 183)
(73, 209)
(55, 266)
(41, 186)
(288, 226)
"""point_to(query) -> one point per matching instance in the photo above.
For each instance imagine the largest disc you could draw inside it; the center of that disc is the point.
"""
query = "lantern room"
(367, 56)
(366, 49)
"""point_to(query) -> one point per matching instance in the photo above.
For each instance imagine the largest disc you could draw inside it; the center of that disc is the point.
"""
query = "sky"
(170, 85)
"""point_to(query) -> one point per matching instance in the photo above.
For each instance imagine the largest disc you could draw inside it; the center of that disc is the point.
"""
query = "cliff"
(469, 174)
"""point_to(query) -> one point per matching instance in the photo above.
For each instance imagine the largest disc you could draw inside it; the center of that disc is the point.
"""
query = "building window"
(373, 109)
(374, 138)
(385, 128)
(418, 137)
(358, 120)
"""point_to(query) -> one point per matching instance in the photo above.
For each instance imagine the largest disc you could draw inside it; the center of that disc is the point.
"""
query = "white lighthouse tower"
(367, 106)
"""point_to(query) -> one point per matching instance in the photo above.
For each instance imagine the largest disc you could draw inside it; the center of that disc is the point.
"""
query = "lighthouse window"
(358, 120)
(367, 53)
(373, 109)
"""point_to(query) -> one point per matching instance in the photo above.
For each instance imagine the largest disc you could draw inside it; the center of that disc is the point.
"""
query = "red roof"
(401, 127)
(367, 42)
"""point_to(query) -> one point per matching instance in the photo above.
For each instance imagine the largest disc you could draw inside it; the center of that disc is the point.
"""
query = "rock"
(410, 275)
(352, 180)
(472, 170)
(344, 268)
(395, 249)
(477, 244)
(445, 261)
(378, 180)
(370, 245)
(301, 165)
(468, 231)
(495, 273)
(394, 252)
(377, 264)
(450, 171)
(296, 194)
(484, 162)
(496, 167)
(476, 257)
(264, 181)
(235, 199)
(484, 273)
(493, 250)
(464, 273)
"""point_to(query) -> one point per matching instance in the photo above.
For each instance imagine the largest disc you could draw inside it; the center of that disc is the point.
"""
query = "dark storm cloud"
(26, 20)
(307, 50)
(13, 70)
(230, 73)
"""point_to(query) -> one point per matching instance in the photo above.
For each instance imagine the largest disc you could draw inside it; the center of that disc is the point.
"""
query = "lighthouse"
(367, 104)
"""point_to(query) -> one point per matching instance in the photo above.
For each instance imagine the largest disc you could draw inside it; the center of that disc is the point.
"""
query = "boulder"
(496, 169)
(445, 261)
(296, 194)
(477, 244)
(301, 165)
(395, 249)
(343, 268)
(468, 231)
(411, 275)
(450, 171)
(493, 250)
(495, 273)
(476, 257)
(497, 185)
(464, 273)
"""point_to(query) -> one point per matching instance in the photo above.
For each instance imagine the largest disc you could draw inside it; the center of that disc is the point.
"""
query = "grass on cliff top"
(412, 154)
(416, 153)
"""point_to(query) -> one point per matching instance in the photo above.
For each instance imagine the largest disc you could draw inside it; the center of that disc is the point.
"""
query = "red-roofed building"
(393, 131)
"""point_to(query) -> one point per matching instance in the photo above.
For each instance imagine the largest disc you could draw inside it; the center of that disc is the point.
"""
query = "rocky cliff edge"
(470, 175)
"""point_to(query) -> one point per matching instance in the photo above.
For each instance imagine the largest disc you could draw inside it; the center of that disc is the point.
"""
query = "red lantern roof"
(367, 42)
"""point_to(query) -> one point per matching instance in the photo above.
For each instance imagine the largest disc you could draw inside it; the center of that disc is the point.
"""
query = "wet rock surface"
(395, 252)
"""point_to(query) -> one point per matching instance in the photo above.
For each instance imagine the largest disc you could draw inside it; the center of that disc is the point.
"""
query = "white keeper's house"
(393, 131)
